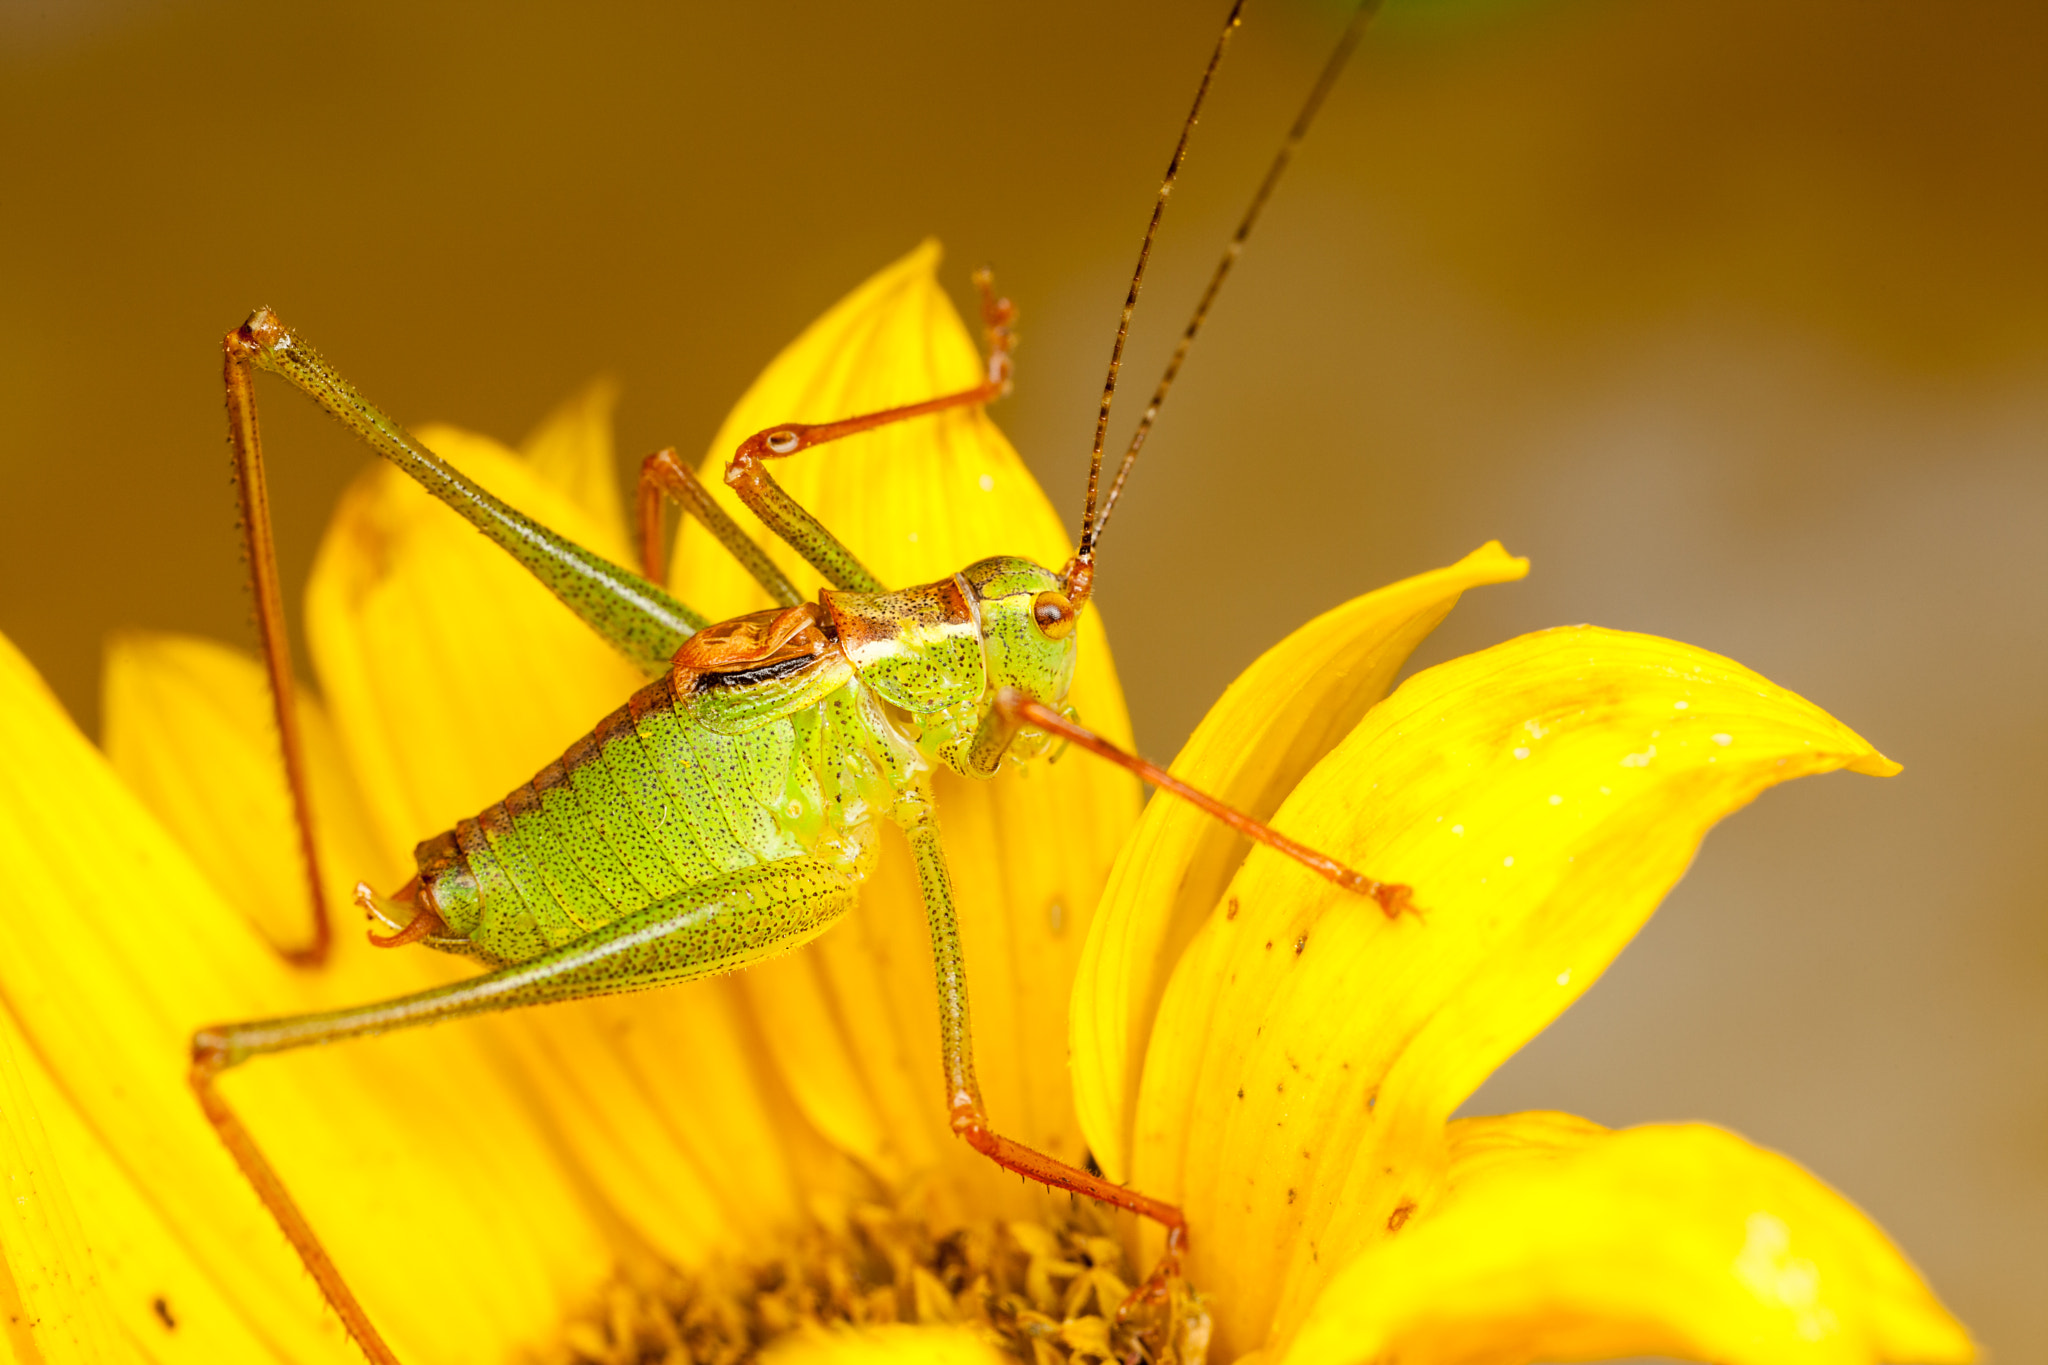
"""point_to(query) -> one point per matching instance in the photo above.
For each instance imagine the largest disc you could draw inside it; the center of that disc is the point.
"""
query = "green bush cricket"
(620, 866)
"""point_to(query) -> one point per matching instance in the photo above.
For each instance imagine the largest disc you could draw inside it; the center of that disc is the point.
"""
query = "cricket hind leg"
(747, 474)
(634, 616)
(259, 552)
(720, 926)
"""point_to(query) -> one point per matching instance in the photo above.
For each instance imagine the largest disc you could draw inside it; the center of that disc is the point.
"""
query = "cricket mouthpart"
(1078, 580)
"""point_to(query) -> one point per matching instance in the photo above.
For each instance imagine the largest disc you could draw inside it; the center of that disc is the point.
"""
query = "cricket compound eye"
(1054, 615)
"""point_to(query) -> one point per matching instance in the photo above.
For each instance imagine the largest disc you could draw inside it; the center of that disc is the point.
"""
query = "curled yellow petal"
(1540, 797)
(1271, 725)
(917, 501)
(1558, 1240)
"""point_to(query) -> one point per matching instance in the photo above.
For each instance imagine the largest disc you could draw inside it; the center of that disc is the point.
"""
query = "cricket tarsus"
(1392, 897)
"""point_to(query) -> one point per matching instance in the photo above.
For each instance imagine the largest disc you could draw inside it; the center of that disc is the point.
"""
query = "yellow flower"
(1275, 1055)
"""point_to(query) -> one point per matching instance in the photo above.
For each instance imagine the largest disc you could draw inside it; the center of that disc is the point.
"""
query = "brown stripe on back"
(494, 819)
(659, 695)
(438, 855)
(608, 729)
(557, 772)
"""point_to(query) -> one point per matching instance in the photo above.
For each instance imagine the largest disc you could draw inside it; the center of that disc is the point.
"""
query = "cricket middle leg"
(963, 1093)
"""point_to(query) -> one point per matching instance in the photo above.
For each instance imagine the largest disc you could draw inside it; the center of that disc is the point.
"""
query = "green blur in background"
(1733, 317)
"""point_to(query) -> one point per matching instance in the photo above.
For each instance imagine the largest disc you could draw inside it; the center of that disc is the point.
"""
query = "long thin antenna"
(1080, 572)
(1332, 69)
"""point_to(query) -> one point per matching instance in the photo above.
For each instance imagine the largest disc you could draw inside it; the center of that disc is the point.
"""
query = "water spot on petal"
(1769, 1270)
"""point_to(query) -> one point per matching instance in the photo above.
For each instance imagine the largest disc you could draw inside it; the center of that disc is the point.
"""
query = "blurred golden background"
(1733, 317)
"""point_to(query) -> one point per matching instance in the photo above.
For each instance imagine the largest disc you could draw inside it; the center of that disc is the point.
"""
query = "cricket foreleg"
(718, 927)
(1019, 710)
(956, 1051)
(747, 474)
(634, 616)
(663, 479)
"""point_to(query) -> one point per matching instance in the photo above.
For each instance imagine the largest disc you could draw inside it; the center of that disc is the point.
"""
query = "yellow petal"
(53, 1304)
(1270, 727)
(1540, 797)
(451, 674)
(572, 449)
(1558, 1240)
(91, 1270)
(188, 726)
(113, 948)
(917, 501)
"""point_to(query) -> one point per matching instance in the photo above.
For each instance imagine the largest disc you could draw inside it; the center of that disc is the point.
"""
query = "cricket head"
(1027, 628)
(940, 653)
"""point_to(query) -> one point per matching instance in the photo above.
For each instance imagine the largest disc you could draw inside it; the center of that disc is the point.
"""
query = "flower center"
(1051, 1293)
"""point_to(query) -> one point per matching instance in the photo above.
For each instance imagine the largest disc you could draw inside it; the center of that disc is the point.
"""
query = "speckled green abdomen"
(696, 778)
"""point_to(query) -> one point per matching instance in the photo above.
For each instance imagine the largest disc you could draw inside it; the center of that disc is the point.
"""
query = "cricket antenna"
(1080, 572)
(1079, 575)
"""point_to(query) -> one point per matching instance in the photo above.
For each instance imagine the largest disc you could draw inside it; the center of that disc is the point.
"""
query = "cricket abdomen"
(694, 778)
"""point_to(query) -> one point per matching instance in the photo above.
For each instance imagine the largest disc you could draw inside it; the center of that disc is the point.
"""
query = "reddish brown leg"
(207, 1064)
(1019, 709)
(261, 552)
(971, 1123)
(664, 478)
(780, 513)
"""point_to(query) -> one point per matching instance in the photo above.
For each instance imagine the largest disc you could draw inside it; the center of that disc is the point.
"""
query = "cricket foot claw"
(1163, 1321)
